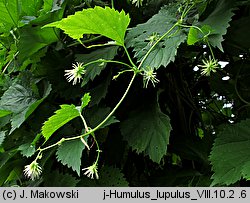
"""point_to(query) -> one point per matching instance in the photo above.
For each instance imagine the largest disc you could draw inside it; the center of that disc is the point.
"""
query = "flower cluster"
(33, 170)
(209, 65)
(91, 171)
(76, 73)
(137, 3)
(149, 76)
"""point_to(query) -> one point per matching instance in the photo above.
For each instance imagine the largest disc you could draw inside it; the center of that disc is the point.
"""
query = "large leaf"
(70, 153)
(33, 39)
(61, 117)
(139, 38)
(230, 156)
(104, 21)
(147, 130)
(93, 70)
(9, 14)
(22, 98)
(219, 20)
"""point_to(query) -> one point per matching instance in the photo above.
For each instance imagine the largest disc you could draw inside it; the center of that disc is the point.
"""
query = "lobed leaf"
(103, 21)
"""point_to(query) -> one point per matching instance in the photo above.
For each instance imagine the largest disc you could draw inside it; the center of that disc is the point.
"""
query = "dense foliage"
(124, 93)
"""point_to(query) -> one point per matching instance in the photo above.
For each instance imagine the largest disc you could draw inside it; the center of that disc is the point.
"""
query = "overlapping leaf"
(69, 153)
(33, 39)
(219, 20)
(107, 53)
(140, 38)
(21, 99)
(57, 179)
(61, 117)
(104, 21)
(9, 14)
(147, 130)
(230, 156)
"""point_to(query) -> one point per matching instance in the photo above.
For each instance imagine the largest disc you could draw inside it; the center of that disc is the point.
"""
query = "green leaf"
(31, 7)
(219, 20)
(96, 115)
(20, 98)
(32, 39)
(22, 101)
(9, 14)
(166, 50)
(85, 100)
(2, 137)
(93, 70)
(100, 91)
(4, 113)
(104, 21)
(196, 35)
(27, 149)
(147, 130)
(230, 156)
(61, 117)
(70, 153)
(57, 179)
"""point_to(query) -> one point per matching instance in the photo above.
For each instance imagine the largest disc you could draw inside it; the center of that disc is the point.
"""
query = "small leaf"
(61, 117)
(147, 130)
(230, 156)
(69, 153)
(196, 35)
(104, 21)
(27, 149)
(85, 100)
